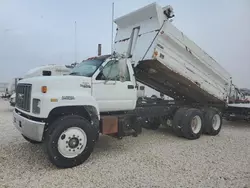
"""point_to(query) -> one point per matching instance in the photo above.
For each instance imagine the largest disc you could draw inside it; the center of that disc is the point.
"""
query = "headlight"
(36, 106)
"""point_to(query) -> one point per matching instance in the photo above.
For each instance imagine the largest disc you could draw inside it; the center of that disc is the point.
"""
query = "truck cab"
(97, 83)
(111, 87)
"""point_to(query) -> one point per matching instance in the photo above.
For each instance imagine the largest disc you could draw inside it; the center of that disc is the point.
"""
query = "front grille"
(23, 96)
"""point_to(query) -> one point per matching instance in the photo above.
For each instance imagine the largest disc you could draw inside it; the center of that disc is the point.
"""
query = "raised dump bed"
(166, 60)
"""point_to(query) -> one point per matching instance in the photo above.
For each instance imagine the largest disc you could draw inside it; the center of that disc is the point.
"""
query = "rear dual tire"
(177, 121)
(191, 123)
(188, 123)
(213, 122)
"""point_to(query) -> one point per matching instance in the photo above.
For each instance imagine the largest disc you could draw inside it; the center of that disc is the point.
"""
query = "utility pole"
(112, 30)
(75, 45)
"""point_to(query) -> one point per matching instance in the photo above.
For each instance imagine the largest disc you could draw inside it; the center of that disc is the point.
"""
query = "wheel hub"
(72, 142)
(196, 124)
(216, 121)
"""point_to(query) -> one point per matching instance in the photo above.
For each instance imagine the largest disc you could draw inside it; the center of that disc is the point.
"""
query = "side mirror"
(122, 69)
(106, 80)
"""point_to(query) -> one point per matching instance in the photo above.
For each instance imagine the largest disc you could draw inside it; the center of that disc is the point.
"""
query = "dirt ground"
(153, 159)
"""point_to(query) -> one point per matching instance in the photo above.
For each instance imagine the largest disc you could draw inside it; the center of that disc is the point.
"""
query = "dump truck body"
(166, 60)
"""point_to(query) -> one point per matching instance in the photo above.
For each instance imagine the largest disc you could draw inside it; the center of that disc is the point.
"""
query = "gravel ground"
(154, 159)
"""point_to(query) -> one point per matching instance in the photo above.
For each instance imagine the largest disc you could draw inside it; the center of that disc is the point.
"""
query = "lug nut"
(63, 137)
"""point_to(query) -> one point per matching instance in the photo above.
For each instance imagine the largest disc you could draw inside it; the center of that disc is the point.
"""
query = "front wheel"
(69, 141)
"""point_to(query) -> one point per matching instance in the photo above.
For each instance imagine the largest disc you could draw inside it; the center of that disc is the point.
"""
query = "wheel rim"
(72, 142)
(169, 123)
(216, 122)
(196, 124)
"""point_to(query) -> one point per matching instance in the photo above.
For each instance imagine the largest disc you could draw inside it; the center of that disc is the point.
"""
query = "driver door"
(112, 93)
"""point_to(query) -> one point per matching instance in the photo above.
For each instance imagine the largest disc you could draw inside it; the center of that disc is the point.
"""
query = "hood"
(58, 82)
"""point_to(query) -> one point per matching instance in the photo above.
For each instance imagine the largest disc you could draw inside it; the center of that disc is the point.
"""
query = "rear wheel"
(192, 124)
(177, 121)
(69, 141)
(213, 122)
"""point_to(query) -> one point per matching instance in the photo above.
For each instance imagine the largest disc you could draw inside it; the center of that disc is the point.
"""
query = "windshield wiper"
(74, 73)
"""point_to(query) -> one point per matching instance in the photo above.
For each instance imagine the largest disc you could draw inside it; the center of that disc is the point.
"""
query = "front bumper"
(29, 128)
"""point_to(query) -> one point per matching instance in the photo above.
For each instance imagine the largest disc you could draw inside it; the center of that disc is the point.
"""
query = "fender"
(81, 104)
(55, 99)
(88, 112)
(76, 103)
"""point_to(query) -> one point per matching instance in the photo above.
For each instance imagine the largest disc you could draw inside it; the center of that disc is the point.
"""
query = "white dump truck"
(45, 70)
(68, 113)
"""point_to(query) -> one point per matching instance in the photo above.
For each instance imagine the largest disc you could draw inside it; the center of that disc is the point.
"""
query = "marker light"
(44, 89)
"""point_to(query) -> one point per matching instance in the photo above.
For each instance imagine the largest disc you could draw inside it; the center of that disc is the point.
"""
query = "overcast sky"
(34, 33)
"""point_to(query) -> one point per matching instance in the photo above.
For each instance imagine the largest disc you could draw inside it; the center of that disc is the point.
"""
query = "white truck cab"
(94, 85)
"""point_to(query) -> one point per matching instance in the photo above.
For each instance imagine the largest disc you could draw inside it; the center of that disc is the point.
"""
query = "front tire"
(69, 141)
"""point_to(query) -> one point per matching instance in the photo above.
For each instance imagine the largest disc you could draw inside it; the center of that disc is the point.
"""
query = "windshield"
(87, 68)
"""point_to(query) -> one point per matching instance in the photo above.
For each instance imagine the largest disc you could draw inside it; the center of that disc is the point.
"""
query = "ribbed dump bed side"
(153, 74)
(183, 57)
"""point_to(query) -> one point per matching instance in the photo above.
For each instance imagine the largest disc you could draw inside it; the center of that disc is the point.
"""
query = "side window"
(111, 71)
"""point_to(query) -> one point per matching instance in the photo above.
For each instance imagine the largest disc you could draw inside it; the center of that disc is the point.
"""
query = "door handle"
(109, 83)
(131, 86)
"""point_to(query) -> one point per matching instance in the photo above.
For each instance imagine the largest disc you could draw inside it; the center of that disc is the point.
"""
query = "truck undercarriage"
(237, 112)
(151, 113)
